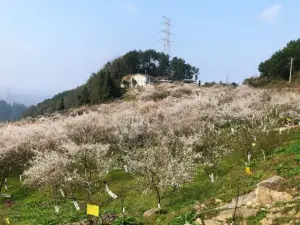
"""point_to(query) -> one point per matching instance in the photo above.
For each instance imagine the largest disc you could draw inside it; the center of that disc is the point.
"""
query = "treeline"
(276, 69)
(10, 112)
(104, 85)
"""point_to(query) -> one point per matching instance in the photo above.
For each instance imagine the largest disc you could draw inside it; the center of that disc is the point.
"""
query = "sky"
(50, 46)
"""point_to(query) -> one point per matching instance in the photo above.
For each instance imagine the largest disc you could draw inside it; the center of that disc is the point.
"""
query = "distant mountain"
(10, 111)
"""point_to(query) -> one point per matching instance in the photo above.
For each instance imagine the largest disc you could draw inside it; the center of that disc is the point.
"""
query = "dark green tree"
(278, 65)
(61, 104)
(84, 96)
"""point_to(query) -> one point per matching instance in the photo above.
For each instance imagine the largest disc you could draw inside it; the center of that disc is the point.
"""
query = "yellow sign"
(92, 210)
(7, 221)
(248, 170)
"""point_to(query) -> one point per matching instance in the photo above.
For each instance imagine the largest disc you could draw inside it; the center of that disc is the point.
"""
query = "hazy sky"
(48, 46)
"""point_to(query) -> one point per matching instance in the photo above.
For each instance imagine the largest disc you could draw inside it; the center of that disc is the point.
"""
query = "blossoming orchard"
(161, 136)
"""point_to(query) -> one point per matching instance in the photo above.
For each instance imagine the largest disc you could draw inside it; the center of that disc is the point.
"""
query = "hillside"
(104, 85)
(178, 147)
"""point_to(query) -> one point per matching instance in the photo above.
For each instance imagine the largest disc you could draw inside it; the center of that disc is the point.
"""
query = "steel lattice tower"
(167, 35)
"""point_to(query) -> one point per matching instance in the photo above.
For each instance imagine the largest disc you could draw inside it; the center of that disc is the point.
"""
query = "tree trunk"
(158, 197)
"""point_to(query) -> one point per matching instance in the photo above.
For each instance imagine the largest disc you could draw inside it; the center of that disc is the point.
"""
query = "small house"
(133, 80)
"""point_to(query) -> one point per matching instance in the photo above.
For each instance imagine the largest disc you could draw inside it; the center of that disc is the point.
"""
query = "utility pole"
(291, 69)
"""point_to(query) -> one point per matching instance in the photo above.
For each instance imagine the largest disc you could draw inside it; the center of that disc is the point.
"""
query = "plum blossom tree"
(211, 147)
(163, 168)
(68, 169)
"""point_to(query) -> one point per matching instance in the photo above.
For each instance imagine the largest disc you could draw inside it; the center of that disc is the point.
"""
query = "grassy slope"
(30, 207)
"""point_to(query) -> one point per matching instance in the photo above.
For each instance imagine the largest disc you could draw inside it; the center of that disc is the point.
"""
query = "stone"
(275, 215)
(265, 222)
(211, 222)
(203, 206)
(93, 221)
(151, 212)
(198, 221)
(240, 212)
(268, 206)
(247, 199)
(207, 222)
(268, 196)
(271, 180)
(108, 218)
(218, 201)
(199, 207)
(274, 210)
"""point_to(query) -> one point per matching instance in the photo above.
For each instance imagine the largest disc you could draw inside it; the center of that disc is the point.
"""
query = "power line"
(167, 35)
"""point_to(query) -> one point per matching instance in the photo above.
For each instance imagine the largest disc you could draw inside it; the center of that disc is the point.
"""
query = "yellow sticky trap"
(92, 210)
(7, 221)
(248, 170)
(253, 144)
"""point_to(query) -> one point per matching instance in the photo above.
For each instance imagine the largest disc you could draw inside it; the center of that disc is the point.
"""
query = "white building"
(133, 80)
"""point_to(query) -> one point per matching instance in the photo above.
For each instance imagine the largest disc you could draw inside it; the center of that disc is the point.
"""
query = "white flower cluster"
(154, 137)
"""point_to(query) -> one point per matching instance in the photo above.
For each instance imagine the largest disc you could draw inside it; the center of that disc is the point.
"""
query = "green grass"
(35, 207)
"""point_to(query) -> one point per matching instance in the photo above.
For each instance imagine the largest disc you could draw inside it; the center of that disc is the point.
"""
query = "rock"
(240, 212)
(274, 210)
(203, 206)
(199, 207)
(273, 216)
(211, 222)
(268, 196)
(262, 195)
(242, 200)
(108, 218)
(268, 206)
(198, 221)
(265, 222)
(218, 201)
(151, 212)
(207, 222)
(93, 221)
(271, 180)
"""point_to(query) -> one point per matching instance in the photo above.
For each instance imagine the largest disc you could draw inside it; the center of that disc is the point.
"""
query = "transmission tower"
(167, 35)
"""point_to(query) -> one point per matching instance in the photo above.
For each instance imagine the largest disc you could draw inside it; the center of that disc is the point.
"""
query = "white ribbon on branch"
(110, 193)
